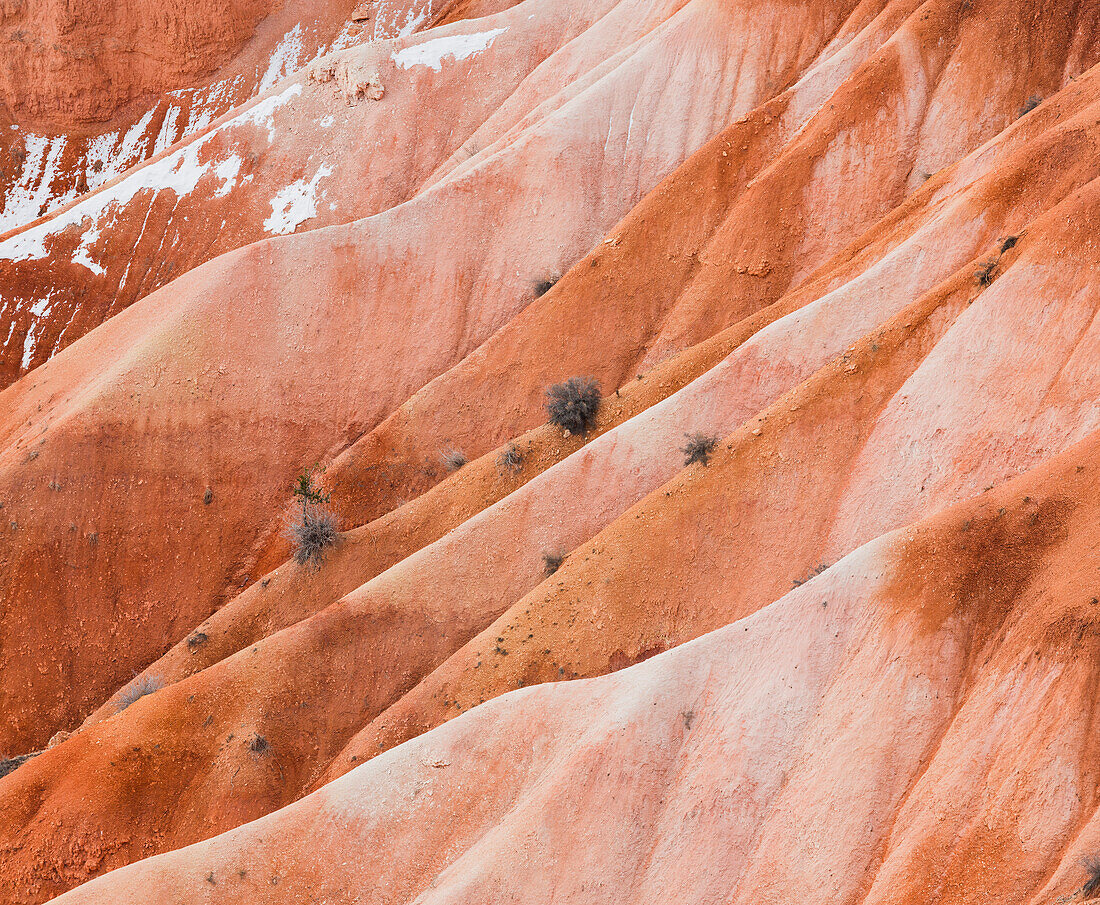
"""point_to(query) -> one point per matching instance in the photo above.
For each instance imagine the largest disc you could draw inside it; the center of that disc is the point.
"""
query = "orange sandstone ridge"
(848, 657)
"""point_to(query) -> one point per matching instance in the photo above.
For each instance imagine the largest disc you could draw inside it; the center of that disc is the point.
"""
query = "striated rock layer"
(150, 83)
(850, 245)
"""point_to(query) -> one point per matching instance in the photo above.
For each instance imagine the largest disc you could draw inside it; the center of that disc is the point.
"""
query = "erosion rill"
(591, 451)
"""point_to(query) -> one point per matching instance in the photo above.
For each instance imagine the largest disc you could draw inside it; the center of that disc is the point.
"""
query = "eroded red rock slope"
(853, 242)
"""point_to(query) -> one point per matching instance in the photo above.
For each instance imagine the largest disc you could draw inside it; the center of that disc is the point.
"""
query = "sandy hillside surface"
(848, 652)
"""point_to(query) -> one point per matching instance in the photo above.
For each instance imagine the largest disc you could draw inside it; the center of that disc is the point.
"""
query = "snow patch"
(167, 136)
(227, 172)
(104, 161)
(343, 41)
(28, 196)
(131, 146)
(80, 256)
(206, 104)
(29, 342)
(99, 158)
(431, 52)
(203, 119)
(295, 204)
(412, 22)
(399, 18)
(179, 171)
(284, 59)
(39, 310)
(263, 113)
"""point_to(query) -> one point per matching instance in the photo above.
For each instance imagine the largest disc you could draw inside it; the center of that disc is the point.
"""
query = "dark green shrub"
(306, 491)
(315, 529)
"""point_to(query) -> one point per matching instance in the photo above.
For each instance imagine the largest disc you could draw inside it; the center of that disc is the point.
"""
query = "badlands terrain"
(850, 654)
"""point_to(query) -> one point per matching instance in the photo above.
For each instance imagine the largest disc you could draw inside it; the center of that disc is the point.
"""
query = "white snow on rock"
(399, 18)
(133, 144)
(32, 191)
(189, 111)
(168, 134)
(179, 171)
(80, 256)
(295, 204)
(459, 47)
(284, 58)
(413, 22)
(39, 311)
(227, 172)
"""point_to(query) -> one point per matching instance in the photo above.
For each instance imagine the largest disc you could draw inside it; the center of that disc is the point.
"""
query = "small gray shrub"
(312, 535)
(698, 448)
(453, 459)
(510, 459)
(574, 404)
(138, 689)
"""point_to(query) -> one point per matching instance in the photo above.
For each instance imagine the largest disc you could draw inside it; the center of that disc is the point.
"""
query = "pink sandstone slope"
(97, 251)
(847, 657)
(914, 724)
(300, 305)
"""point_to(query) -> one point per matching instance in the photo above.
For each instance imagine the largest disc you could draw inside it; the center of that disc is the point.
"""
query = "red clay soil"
(850, 656)
(300, 304)
(75, 63)
(894, 698)
(156, 81)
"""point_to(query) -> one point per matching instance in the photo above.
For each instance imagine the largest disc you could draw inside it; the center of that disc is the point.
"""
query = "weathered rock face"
(46, 166)
(68, 64)
(851, 655)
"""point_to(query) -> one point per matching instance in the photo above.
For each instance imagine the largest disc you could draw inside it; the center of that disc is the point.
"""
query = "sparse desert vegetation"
(453, 459)
(574, 404)
(552, 560)
(697, 448)
(139, 688)
(313, 532)
(510, 459)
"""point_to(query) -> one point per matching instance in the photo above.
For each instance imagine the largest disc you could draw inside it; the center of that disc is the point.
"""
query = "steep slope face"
(741, 225)
(46, 166)
(310, 332)
(706, 774)
(149, 224)
(898, 369)
(69, 64)
(598, 612)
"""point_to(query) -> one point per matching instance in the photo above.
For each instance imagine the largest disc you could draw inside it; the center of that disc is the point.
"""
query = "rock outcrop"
(850, 656)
